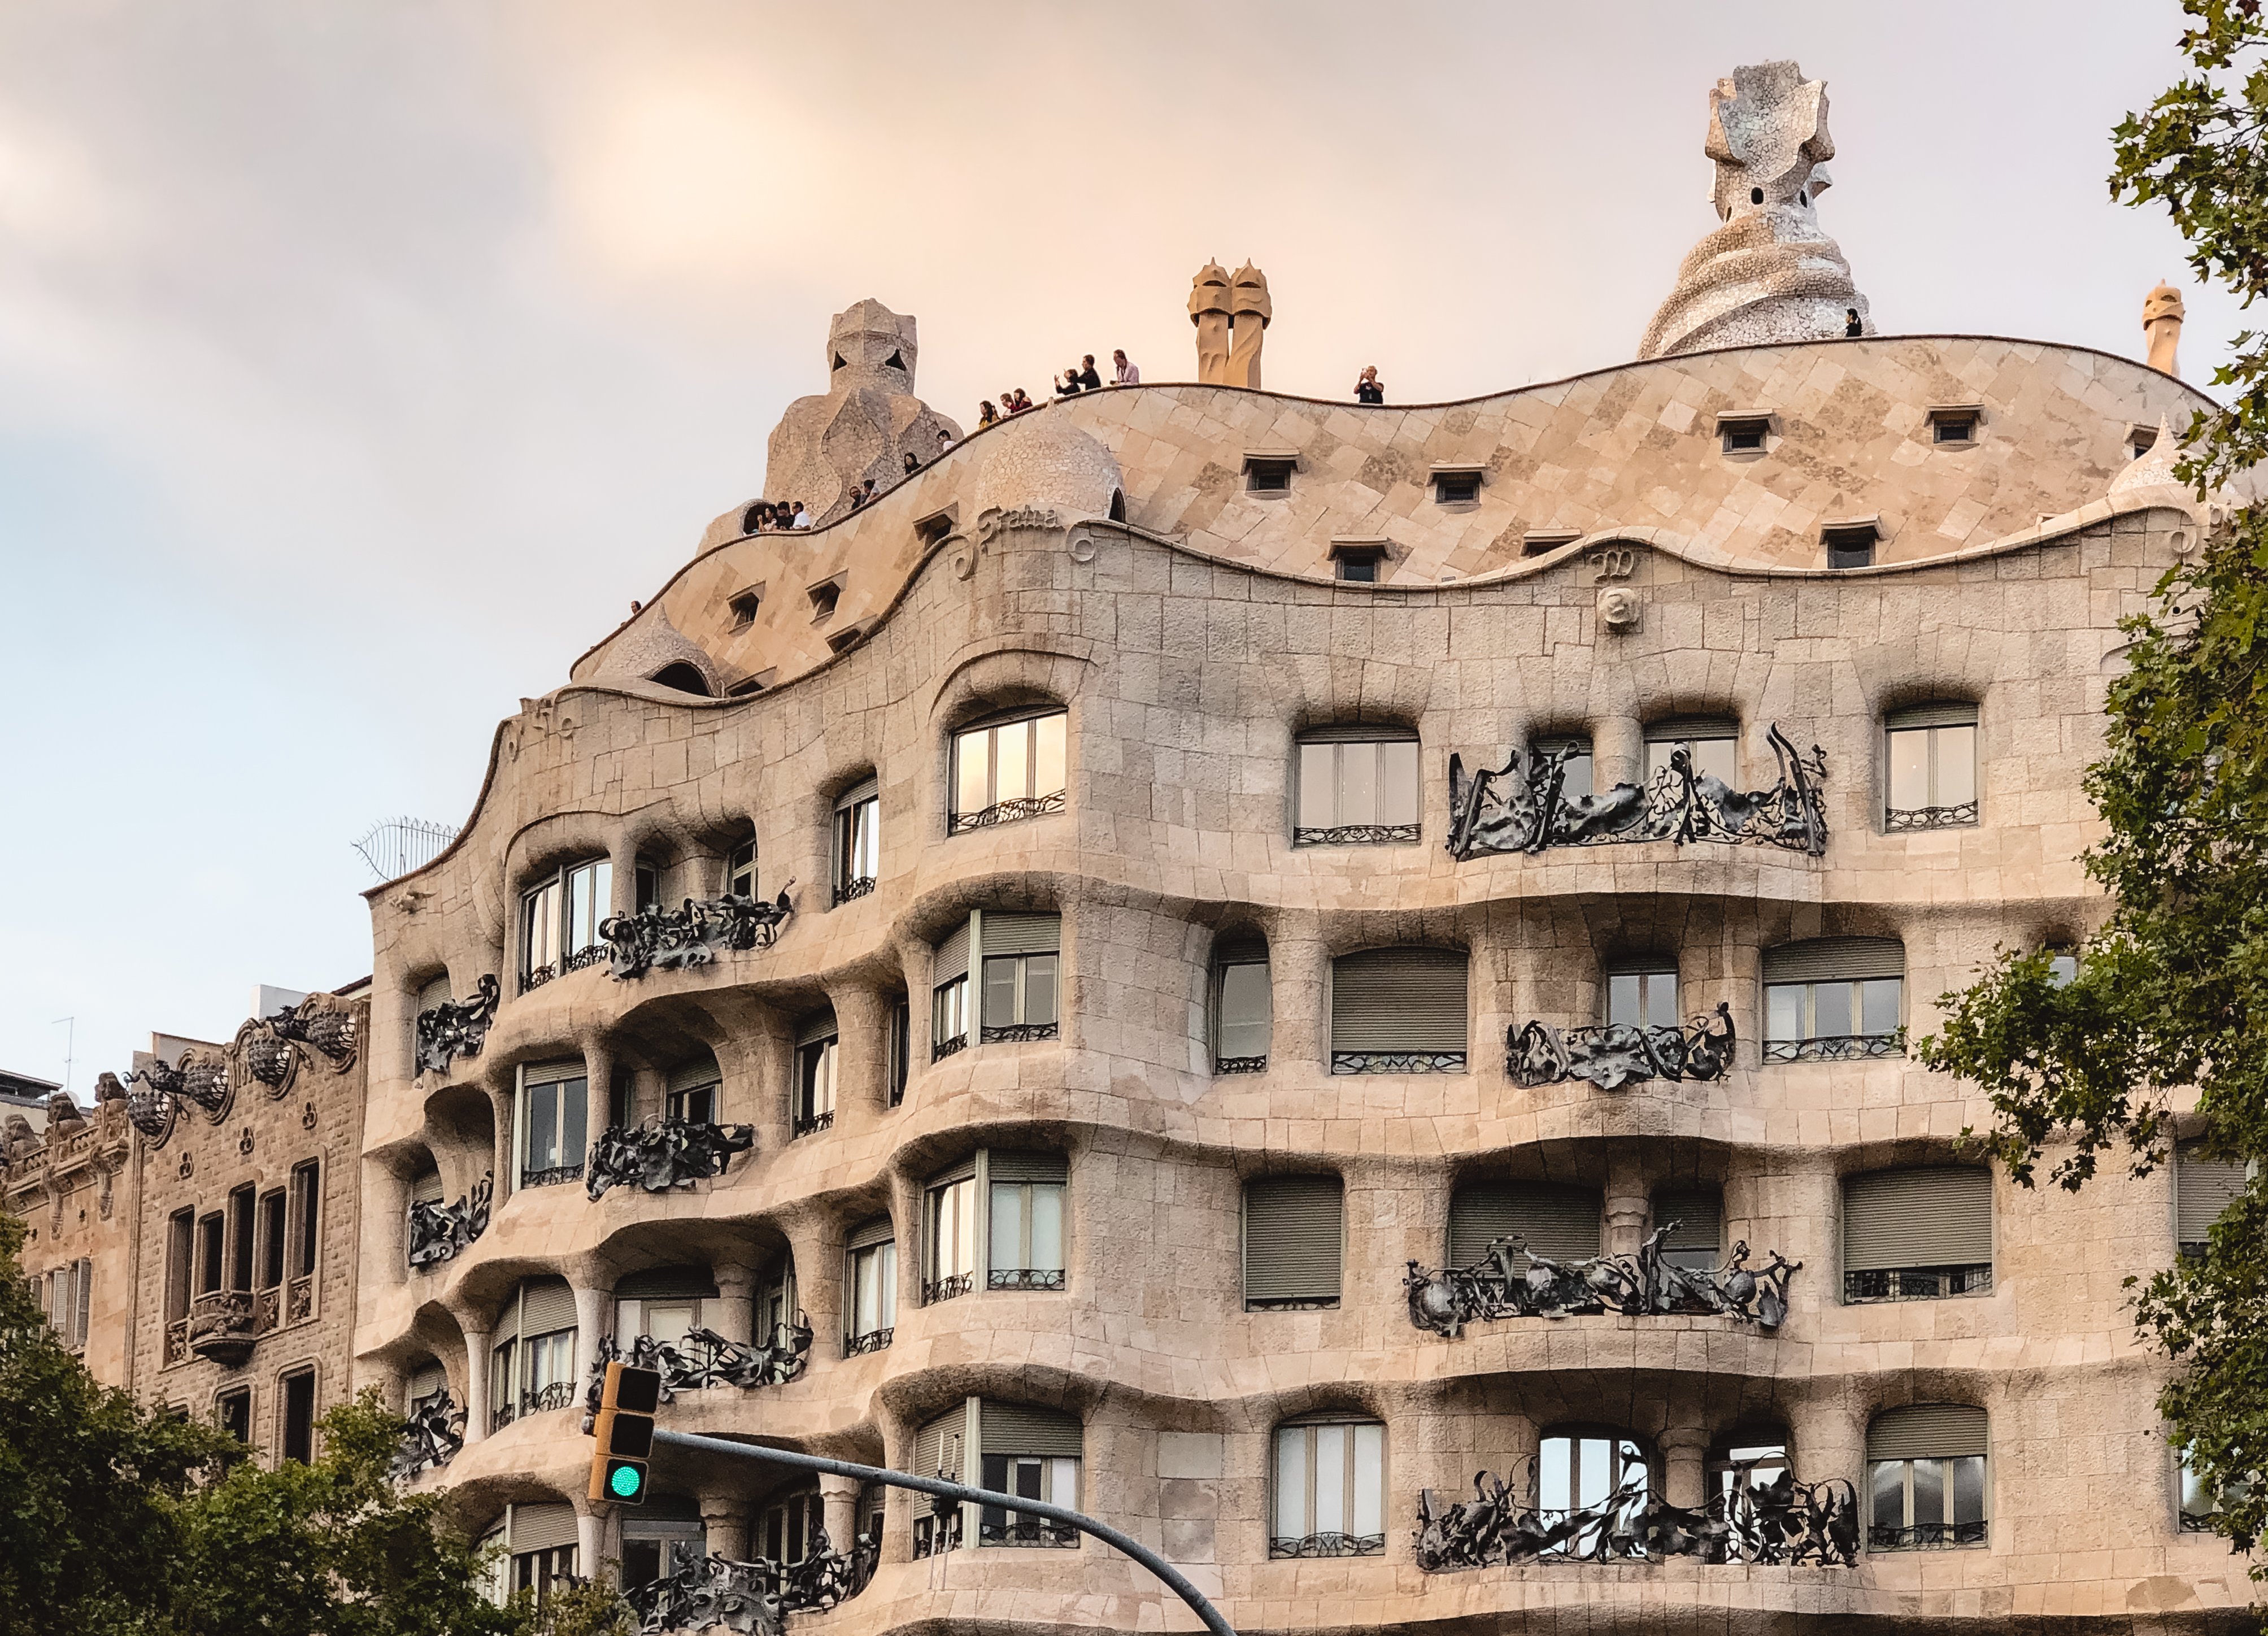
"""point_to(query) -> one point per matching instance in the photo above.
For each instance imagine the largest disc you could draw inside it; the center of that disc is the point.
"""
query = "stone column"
(590, 1529)
(1625, 1205)
(1618, 752)
(1827, 1438)
(862, 1082)
(1684, 1464)
(622, 855)
(599, 1069)
(733, 1312)
(1298, 967)
(476, 1385)
(725, 1521)
(507, 1175)
(593, 1317)
(817, 1247)
(839, 1498)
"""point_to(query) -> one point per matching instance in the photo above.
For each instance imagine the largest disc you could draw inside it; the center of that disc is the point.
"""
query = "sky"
(360, 362)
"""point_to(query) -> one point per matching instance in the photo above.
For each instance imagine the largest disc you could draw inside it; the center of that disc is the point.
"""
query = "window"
(824, 597)
(433, 994)
(271, 1241)
(1954, 423)
(1456, 485)
(1359, 561)
(937, 1449)
(740, 870)
(1032, 1454)
(857, 840)
(1543, 541)
(299, 1441)
(554, 1103)
(1602, 1472)
(667, 1303)
(533, 1365)
(1850, 545)
(1742, 434)
(240, 1243)
(818, 1051)
(1294, 1242)
(1835, 998)
(844, 640)
(621, 1094)
(871, 1282)
(1398, 1011)
(948, 1017)
(1746, 1461)
(744, 606)
(901, 1042)
(681, 677)
(949, 1234)
(1933, 767)
(559, 919)
(2141, 440)
(426, 1383)
(646, 881)
(790, 1527)
(2203, 1188)
(692, 1090)
(1327, 1494)
(1357, 786)
(1269, 474)
(2201, 1502)
(211, 1260)
(1004, 772)
(1577, 773)
(232, 1411)
(1243, 1007)
(932, 529)
(180, 1254)
(1025, 1230)
(541, 1546)
(1925, 1477)
(660, 1538)
(1712, 746)
(1696, 1220)
(777, 1310)
(307, 1218)
(70, 1293)
(1560, 1222)
(1022, 957)
(1643, 994)
(1918, 1234)
(2063, 968)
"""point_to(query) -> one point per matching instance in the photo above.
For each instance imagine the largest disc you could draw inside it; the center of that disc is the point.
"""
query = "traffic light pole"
(1173, 1579)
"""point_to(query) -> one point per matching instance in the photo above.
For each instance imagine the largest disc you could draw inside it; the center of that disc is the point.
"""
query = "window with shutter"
(1918, 1234)
(818, 1058)
(2203, 1188)
(1696, 1220)
(1557, 1222)
(427, 1382)
(1294, 1242)
(1024, 1231)
(541, 1541)
(665, 1302)
(553, 1106)
(940, 1449)
(1009, 769)
(871, 1287)
(533, 1363)
(949, 999)
(1357, 786)
(433, 994)
(1399, 1011)
(1932, 762)
(693, 1088)
(950, 1234)
(1328, 1488)
(1925, 1477)
(1021, 963)
(1033, 1454)
(1243, 1007)
(559, 920)
(1712, 745)
(857, 841)
(1835, 999)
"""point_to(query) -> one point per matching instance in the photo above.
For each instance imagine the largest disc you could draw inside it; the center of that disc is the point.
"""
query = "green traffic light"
(625, 1480)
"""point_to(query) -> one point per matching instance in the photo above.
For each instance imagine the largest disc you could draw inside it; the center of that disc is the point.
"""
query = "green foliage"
(2172, 991)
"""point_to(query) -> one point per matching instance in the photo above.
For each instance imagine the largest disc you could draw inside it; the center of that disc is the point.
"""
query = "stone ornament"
(433, 1435)
(1231, 312)
(866, 422)
(1618, 609)
(1769, 274)
(663, 1154)
(456, 1027)
(1613, 1055)
(439, 1233)
(1645, 1285)
(677, 940)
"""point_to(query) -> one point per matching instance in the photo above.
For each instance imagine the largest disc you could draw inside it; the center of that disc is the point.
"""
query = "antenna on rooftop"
(396, 846)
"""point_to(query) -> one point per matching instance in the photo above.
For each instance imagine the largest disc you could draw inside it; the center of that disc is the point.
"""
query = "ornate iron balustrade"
(1837, 1047)
(1025, 1278)
(1897, 820)
(1358, 835)
(1916, 1283)
(947, 1288)
(812, 1124)
(1782, 1522)
(1522, 807)
(1239, 1065)
(554, 1175)
(754, 1598)
(852, 891)
(678, 940)
(500, 1416)
(1029, 1533)
(1640, 1285)
(544, 1399)
(439, 1233)
(1292, 1303)
(1017, 1033)
(1613, 1055)
(200, 1081)
(1328, 1546)
(223, 1324)
(662, 1154)
(456, 1027)
(433, 1435)
(1398, 1062)
(1006, 811)
(872, 1340)
(936, 1534)
(940, 1049)
(1929, 1536)
(535, 976)
(705, 1358)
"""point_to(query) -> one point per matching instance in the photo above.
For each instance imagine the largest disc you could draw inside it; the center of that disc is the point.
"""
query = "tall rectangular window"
(234, 1411)
(553, 1105)
(1643, 994)
(1932, 754)
(1243, 1007)
(1033, 1454)
(560, 917)
(1711, 746)
(271, 1240)
(740, 870)
(241, 1238)
(872, 1281)
(1399, 1011)
(1357, 786)
(817, 1065)
(1328, 1493)
(900, 1049)
(857, 841)
(2204, 1187)
(298, 1437)
(307, 1218)
(1831, 998)
(692, 1090)
(1022, 957)
(1695, 1220)
(212, 1259)
(1925, 1477)
(1293, 1242)
(1024, 1231)
(949, 1234)
(1918, 1234)
(1578, 774)
(180, 1256)
(1007, 771)
(949, 999)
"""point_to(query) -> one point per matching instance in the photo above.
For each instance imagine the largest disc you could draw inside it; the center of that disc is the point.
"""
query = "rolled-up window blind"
(552, 1072)
(426, 1189)
(1293, 1238)
(2203, 1188)
(546, 1304)
(1700, 1216)
(1947, 714)
(434, 992)
(1240, 951)
(1937, 1216)
(1399, 999)
(1022, 935)
(545, 1526)
(1557, 1222)
(1008, 1167)
(960, 1172)
(817, 1027)
(1928, 1431)
(866, 789)
(1026, 1429)
(952, 956)
(937, 1445)
(1677, 729)
(1836, 960)
(426, 1379)
(667, 1284)
(693, 1075)
(869, 1233)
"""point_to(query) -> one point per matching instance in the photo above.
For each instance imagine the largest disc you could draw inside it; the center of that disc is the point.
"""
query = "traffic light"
(624, 1431)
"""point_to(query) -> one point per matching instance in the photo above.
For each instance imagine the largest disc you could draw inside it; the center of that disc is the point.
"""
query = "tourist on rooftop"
(944, 439)
(802, 516)
(1067, 383)
(913, 463)
(1088, 380)
(1852, 327)
(985, 415)
(1123, 373)
(1019, 402)
(1369, 389)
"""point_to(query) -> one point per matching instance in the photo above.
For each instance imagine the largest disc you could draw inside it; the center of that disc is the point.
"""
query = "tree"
(2172, 991)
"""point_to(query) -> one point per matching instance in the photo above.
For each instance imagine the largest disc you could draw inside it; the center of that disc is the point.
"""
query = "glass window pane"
(1888, 1485)
(1830, 1009)
(866, 846)
(1955, 757)
(2197, 1499)
(1968, 1488)
(1063, 1482)
(1007, 1246)
(1878, 1005)
(999, 991)
(1369, 1479)
(667, 1322)
(1555, 1476)
(1318, 787)
(1331, 1479)
(1012, 762)
(1048, 756)
(822, 1088)
(1357, 784)
(1784, 1010)
(1929, 1491)
(1593, 1479)
(1657, 752)
(1575, 777)
(1661, 1000)
(1246, 1011)
(542, 1126)
(1625, 998)
(972, 772)
(1397, 781)
(1290, 1483)
(1909, 769)
(1047, 1207)
(1719, 759)
(574, 1109)
(1040, 987)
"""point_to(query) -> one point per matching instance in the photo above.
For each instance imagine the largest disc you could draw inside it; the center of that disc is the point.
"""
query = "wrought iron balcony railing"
(1927, 1537)
(1239, 1065)
(851, 891)
(1613, 1055)
(812, 1124)
(553, 1176)
(439, 1233)
(705, 1358)
(1031, 1533)
(1025, 1278)
(935, 1535)
(1644, 1284)
(663, 1154)
(656, 939)
(433, 1435)
(1358, 835)
(1962, 816)
(1782, 1522)
(1006, 811)
(1837, 1047)
(947, 1288)
(501, 1416)
(545, 1398)
(942, 1048)
(709, 1592)
(872, 1340)
(1017, 1033)
(456, 1027)
(1917, 1283)
(1330, 1545)
(1398, 1062)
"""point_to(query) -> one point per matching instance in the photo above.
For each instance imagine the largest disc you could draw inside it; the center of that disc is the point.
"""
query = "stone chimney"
(2162, 322)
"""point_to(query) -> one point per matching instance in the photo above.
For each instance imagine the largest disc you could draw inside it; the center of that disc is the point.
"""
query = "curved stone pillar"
(476, 1385)
(1684, 1464)
(817, 1247)
(839, 1498)
(1298, 967)
(731, 1311)
(725, 1525)
(862, 1088)
(1618, 751)
(592, 1319)
(590, 1535)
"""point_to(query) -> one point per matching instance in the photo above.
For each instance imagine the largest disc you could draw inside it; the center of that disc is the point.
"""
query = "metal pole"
(1166, 1570)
